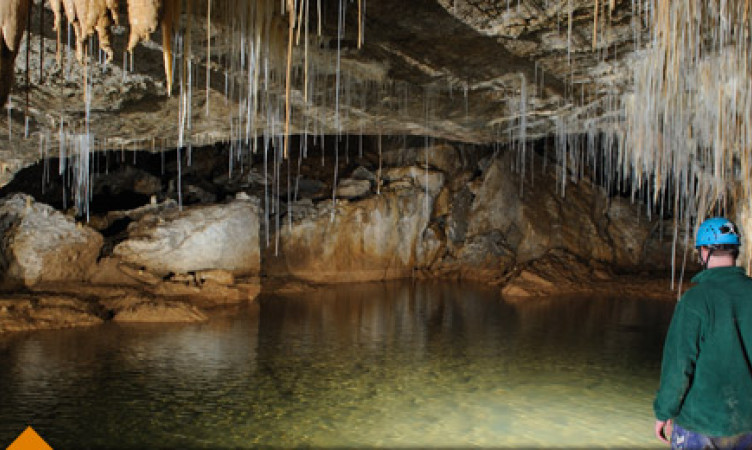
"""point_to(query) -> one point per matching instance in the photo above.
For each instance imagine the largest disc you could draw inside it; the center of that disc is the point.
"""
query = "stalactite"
(208, 53)
(360, 22)
(57, 11)
(28, 60)
(143, 16)
(595, 24)
(101, 15)
(13, 17)
(170, 15)
(288, 76)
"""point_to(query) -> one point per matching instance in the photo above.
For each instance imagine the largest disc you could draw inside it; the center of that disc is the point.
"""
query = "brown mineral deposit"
(74, 9)
(57, 10)
(85, 16)
(13, 16)
(144, 18)
(101, 15)
(169, 17)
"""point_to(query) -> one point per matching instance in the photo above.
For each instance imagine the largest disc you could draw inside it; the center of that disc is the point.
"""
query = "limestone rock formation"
(534, 216)
(67, 305)
(377, 238)
(144, 17)
(38, 243)
(222, 236)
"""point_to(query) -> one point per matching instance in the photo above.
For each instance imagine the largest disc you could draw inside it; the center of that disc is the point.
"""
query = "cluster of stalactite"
(144, 17)
(687, 128)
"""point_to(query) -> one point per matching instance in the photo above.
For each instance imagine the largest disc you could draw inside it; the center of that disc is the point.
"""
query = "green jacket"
(706, 377)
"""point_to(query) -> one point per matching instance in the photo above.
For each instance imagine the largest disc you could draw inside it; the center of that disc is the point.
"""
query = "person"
(705, 394)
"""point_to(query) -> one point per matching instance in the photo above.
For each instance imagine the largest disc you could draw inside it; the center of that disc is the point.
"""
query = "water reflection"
(383, 364)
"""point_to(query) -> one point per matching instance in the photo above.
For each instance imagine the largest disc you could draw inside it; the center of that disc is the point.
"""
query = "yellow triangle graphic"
(29, 440)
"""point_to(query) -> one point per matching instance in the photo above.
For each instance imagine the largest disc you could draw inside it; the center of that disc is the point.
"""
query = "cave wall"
(447, 211)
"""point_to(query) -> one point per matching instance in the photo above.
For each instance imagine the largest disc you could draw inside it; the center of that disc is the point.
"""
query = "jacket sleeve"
(680, 353)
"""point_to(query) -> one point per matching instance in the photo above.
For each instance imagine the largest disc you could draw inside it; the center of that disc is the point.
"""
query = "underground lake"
(397, 364)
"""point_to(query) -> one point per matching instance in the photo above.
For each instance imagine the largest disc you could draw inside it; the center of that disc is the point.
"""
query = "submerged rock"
(136, 308)
(38, 243)
(45, 311)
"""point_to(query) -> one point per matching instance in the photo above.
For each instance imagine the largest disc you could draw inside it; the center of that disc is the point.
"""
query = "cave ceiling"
(469, 71)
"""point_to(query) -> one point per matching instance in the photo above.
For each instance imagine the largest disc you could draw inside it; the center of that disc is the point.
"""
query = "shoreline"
(73, 305)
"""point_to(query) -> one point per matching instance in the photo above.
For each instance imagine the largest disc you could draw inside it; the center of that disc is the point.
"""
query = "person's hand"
(663, 430)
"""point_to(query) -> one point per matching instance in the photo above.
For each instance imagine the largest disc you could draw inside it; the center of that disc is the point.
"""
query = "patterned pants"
(682, 439)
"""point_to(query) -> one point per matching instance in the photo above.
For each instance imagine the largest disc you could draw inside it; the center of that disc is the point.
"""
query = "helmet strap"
(705, 261)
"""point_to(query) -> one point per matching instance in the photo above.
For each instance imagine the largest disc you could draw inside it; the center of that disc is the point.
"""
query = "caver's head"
(717, 238)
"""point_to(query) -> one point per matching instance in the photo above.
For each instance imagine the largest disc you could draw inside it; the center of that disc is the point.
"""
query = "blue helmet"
(717, 231)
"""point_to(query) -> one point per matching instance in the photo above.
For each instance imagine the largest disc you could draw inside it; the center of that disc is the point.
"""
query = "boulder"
(361, 173)
(223, 237)
(39, 243)
(350, 188)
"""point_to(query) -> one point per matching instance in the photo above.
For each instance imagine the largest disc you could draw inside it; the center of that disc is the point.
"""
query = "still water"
(394, 365)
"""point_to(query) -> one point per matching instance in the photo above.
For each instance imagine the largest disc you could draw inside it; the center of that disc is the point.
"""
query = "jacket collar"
(716, 272)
